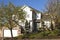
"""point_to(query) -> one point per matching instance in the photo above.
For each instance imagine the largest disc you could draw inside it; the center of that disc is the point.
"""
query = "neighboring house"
(48, 21)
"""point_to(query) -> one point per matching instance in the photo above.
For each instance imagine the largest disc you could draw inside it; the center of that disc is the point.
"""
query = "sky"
(37, 4)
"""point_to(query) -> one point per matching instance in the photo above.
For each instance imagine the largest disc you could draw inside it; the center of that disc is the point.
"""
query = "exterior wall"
(28, 13)
(22, 24)
(47, 24)
(30, 26)
(39, 25)
(38, 15)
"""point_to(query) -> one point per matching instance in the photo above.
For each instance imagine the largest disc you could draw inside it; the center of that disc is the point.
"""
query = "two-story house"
(32, 15)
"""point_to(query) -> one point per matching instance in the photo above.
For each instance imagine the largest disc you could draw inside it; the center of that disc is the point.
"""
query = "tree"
(6, 13)
(2, 18)
(53, 7)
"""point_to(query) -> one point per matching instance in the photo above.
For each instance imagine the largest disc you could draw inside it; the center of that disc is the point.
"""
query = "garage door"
(7, 33)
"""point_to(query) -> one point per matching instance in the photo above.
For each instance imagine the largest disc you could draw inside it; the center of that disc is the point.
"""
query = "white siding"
(38, 15)
(30, 26)
(39, 25)
(21, 23)
(28, 13)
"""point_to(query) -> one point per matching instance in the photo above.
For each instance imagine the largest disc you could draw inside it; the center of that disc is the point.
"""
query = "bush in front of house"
(34, 35)
(39, 35)
(54, 32)
(44, 34)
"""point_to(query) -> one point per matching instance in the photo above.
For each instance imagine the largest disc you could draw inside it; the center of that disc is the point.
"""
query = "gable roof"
(22, 7)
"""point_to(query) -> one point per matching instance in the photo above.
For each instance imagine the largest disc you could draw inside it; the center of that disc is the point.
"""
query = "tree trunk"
(11, 34)
(10, 21)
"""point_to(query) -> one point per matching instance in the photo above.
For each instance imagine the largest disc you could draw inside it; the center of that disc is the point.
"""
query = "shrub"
(54, 32)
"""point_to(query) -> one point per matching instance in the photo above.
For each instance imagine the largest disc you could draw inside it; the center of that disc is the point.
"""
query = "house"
(32, 15)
